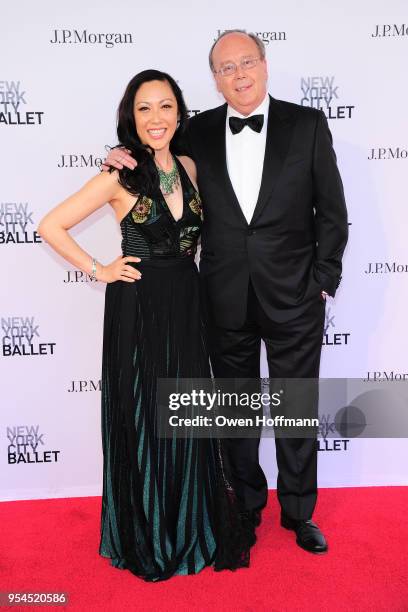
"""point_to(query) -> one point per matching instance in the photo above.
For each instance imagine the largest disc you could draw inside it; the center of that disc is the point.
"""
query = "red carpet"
(51, 545)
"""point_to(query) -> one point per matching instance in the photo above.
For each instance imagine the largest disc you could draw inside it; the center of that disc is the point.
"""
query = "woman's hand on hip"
(120, 270)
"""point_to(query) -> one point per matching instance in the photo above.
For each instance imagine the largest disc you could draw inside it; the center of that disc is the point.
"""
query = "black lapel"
(215, 138)
(278, 138)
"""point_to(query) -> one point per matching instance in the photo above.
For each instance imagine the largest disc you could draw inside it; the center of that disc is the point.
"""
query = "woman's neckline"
(181, 170)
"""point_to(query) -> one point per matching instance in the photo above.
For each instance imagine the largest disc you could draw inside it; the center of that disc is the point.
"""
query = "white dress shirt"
(245, 158)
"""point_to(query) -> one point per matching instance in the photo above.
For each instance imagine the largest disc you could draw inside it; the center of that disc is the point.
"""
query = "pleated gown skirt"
(158, 494)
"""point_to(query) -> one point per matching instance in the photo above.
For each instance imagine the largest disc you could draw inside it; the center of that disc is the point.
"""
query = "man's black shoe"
(308, 535)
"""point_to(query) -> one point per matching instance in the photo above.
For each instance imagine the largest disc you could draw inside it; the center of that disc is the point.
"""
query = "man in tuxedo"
(274, 232)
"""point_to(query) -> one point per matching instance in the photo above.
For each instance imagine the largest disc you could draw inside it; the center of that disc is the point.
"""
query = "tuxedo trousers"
(293, 351)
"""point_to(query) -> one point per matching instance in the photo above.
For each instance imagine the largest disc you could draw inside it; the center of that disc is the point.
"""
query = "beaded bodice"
(149, 230)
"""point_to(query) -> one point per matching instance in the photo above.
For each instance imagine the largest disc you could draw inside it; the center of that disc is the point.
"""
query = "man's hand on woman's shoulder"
(118, 158)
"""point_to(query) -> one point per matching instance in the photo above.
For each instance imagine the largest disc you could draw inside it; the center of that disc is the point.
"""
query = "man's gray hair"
(255, 38)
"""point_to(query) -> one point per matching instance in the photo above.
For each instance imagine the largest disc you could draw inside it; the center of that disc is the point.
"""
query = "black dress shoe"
(308, 535)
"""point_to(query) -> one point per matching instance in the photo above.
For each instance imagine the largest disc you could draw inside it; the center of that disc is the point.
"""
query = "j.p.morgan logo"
(83, 386)
(16, 221)
(83, 37)
(385, 267)
(331, 337)
(321, 92)
(266, 37)
(388, 153)
(390, 29)
(26, 445)
(390, 375)
(77, 276)
(13, 110)
(21, 337)
(78, 160)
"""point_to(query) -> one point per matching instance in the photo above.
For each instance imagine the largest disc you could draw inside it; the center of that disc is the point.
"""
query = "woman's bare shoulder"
(189, 167)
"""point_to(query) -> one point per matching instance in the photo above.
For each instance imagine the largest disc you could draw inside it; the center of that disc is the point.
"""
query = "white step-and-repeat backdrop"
(63, 70)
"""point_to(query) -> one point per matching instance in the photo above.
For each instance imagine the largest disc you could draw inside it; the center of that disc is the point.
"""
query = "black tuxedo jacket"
(293, 246)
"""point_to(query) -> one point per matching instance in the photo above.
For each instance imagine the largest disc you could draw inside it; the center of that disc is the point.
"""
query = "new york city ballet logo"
(348, 421)
(83, 37)
(330, 336)
(16, 224)
(390, 29)
(14, 106)
(25, 444)
(327, 428)
(381, 153)
(266, 37)
(322, 92)
(21, 338)
(386, 267)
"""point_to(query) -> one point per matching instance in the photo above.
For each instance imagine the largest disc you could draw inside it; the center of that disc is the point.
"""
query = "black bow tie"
(255, 122)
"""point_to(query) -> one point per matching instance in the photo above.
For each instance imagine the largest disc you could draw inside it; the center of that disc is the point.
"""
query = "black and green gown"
(168, 506)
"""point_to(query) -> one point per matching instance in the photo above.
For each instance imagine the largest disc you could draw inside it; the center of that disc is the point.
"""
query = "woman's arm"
(55, 225)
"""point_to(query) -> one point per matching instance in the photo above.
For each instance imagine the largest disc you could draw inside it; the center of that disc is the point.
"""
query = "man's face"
(246, 88)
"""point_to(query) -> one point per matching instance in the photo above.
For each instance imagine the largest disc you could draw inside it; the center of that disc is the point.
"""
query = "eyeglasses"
(231, 68)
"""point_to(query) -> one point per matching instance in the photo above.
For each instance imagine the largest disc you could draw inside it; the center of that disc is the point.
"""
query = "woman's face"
(156, 114)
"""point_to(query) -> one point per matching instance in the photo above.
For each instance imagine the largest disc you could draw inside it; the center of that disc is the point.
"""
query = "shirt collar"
(262, 109)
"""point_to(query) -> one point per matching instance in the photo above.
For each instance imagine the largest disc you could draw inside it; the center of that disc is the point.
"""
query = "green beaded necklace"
(169, 181)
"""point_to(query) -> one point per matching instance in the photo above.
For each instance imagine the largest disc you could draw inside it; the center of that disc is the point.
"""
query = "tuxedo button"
(250, 232)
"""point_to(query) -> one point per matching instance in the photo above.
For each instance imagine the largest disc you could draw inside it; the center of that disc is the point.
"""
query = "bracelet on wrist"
(93, 270)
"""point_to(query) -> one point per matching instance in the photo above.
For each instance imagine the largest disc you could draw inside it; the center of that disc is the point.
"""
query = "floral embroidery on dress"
(196, 205)
(188, 238)
(154, 230)
(141, 209)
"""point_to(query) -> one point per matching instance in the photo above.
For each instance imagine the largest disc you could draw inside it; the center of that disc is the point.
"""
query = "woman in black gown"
(168, 506)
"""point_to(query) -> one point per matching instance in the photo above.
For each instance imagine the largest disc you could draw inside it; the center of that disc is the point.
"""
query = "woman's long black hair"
(144, 178)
